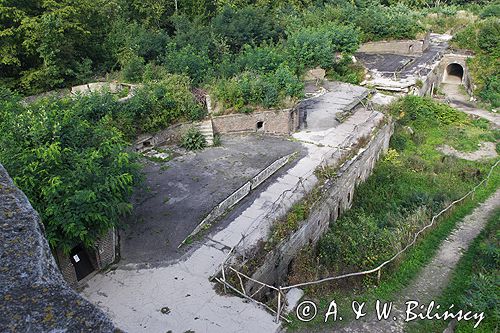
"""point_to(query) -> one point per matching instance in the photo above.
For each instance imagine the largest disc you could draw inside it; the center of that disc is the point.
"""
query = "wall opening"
(81, 261)
(454, 74)
(260, 125)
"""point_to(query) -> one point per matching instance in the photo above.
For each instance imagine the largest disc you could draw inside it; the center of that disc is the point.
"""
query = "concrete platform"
(134, 297)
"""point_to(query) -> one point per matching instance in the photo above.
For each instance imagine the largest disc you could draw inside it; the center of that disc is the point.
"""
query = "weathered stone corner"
(33, 295)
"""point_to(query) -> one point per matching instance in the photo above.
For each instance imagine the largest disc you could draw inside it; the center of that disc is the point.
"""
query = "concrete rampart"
(240, 193)
(337, 197)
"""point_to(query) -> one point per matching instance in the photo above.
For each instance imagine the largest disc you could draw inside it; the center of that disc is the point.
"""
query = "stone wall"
(34, 296)
(404, 47)
(281, 122)
(102, 256)
(337, 198)
(106, 249)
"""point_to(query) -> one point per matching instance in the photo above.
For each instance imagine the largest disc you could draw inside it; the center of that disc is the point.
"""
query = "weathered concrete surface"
(435, 276)
(318, 115)
(178, 194)
(336, 198)
(33, 295)
(134, 297)
(485, 150)
(400, 72)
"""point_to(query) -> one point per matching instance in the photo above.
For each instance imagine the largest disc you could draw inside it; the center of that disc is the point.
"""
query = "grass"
(409, 184)
(462, 280)
(394, 279)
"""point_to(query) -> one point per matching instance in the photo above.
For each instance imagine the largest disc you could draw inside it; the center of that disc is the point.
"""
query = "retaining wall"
(281, 122)
(337, 198)
(404, 47)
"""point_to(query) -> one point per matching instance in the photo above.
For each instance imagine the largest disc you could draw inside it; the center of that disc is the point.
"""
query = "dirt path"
(486, 150)
(435, 276)
(459, 101)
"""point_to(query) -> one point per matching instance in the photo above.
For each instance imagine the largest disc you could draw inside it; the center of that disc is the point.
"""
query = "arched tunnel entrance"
(454, 74)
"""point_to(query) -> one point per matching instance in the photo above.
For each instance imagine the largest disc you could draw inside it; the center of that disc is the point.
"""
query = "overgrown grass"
(413, 182)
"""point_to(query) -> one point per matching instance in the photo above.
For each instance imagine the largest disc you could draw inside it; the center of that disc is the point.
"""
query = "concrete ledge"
(34, 297)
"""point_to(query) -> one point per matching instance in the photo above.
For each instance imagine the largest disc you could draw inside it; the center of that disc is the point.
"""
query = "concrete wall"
(435, 77)
(337, 198)
(280, 122)
(404, 47)
(33, 295)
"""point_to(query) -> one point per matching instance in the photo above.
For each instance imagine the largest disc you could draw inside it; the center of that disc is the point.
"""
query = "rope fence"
(281, 299)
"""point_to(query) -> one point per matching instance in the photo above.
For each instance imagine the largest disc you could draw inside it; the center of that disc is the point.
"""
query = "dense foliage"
(70, 160)
(482, 38)
(69, 155)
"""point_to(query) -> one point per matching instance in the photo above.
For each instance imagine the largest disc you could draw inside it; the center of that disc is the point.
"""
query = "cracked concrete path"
(135, 297)
(435, 276)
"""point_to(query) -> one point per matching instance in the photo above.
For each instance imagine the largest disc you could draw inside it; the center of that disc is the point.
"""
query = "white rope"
(401, 251)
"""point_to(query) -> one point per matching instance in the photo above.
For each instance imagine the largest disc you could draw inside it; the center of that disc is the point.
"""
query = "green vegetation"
(69, 155)
(193, 140)
(474, 285)
(70, 160)
(482, 38)
(409, 185)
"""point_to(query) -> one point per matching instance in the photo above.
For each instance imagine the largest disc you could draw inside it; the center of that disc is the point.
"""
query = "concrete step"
(206, 129)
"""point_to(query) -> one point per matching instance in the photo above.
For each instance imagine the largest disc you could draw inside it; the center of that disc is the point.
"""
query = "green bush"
(267, 90)
(193, 140)
(248, 25)
(317, 46)
(71, 161)
(159, 104)
(487, 39)
(189, 61)
(381, 22)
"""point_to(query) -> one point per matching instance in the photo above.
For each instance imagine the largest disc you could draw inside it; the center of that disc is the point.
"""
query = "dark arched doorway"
(454, 73)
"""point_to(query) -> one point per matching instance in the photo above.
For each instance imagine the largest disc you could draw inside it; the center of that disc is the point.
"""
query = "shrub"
(380, 22)
(267, 90)
(159, 104)
(248, 25)
(423, 112)
(71, 161)
(488, 36)
(189, 61)
(317, 46)
(193, 140)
